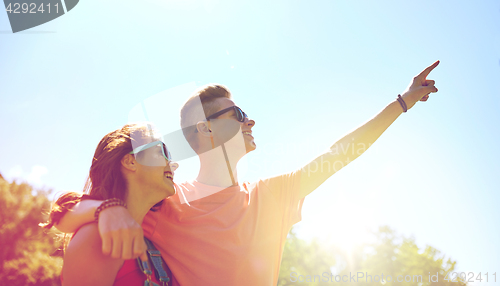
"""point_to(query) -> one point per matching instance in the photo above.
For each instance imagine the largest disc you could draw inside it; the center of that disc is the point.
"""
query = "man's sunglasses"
(240, 115)
(155, 158)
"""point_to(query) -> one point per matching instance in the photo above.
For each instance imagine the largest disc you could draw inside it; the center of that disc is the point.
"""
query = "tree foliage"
(25, 248)
(300, 256)
(396, 257)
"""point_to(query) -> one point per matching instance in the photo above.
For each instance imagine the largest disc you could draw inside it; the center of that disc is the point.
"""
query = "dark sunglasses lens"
(240, 115)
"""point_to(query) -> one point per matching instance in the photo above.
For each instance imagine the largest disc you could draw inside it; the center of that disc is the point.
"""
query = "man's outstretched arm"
(121, 235)
(358, 141)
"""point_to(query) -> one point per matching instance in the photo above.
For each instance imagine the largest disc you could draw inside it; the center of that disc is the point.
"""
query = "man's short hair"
(192, 114)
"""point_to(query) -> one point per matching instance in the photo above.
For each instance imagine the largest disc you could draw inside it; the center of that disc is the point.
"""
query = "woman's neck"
(137, 203)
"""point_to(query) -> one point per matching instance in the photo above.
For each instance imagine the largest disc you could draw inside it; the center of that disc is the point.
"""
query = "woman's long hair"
(105, 180)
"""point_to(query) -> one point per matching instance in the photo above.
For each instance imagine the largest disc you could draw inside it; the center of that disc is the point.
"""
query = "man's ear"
(128, 162)
(204, 128)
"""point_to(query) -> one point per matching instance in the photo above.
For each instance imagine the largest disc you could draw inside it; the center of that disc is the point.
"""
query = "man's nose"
(173, 165)
(249, 122)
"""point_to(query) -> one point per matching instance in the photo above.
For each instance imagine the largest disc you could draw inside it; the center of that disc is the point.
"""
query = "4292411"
(470, 277)
(31, 8)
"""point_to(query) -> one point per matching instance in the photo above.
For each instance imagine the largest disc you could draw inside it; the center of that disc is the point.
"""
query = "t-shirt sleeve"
(285, 188)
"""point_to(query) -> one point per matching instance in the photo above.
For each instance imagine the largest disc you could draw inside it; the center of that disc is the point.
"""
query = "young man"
(215, 230)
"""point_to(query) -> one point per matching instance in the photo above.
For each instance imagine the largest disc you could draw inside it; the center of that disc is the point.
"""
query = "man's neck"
(218, 168)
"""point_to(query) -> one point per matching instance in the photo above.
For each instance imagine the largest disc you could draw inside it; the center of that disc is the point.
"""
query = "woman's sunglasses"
(154, 158)
(240, 115)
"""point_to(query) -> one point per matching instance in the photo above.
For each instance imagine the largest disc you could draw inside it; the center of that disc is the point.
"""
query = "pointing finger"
(428, 70)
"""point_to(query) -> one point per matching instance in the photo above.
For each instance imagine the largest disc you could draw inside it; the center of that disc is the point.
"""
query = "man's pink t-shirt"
(233, 236)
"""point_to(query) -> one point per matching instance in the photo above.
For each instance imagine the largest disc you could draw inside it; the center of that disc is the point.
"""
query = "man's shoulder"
(194, 187)
(193, 190)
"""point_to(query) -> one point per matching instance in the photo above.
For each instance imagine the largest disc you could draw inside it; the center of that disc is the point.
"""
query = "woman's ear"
(204, 128)
(128, 162)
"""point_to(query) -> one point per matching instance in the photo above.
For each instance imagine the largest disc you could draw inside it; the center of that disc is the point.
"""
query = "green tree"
(396, 257)
(25, 248)
(301, 257)
(399, 258)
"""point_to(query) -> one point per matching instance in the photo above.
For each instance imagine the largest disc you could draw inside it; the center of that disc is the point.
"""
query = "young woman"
(131, 167)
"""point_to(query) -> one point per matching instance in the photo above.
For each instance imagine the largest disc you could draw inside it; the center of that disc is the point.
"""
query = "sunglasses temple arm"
(228, 164)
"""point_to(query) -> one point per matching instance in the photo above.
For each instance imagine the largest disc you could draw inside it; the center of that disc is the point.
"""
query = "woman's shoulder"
(85, 236)
(84, 256)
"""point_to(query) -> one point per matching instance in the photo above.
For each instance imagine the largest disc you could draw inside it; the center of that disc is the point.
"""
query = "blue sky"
(307, 73)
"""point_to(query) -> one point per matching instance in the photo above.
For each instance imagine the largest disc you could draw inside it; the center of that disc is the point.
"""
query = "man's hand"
(420, 87)
(121, 235)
